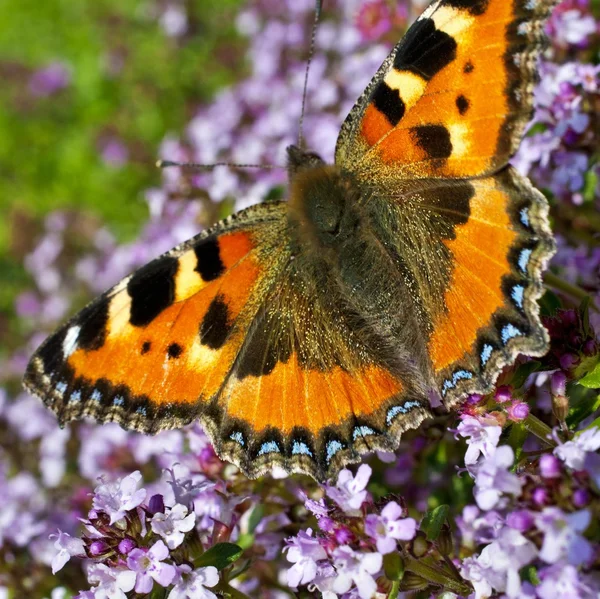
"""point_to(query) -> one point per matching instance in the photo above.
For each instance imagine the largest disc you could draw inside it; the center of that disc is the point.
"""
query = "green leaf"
(549, 303)
(592, 379)
(516, 438)
(256, 516)
(584, 314)
(220, 556)
(393, 566)
(523, 372)
(586, 366)
(433, 521)
(529, 574)
(582, 404)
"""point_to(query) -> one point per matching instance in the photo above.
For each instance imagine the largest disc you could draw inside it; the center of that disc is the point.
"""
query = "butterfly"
(306, 332)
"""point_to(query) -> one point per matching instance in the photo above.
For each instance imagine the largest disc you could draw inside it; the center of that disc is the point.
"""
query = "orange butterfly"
(305, 332)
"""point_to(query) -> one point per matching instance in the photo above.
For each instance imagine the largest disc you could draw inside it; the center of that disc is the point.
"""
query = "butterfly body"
(404, 276)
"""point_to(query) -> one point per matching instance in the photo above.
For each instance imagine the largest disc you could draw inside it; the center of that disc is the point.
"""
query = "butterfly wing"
(454, 96)
(232, 328)
(472, 254)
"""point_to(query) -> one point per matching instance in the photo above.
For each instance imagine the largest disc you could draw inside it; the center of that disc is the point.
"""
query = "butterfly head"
(300, 160)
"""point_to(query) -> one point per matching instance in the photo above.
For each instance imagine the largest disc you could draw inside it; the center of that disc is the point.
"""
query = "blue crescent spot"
(269, 447)
(362, 431)
(118, 400)
(517, 293)
(461, 375)
(75, 396)
(333, 447)
(96, 395)
(509, 332)
(61, 387)
(141, 410)
(524, 258)
(486, 354)
(457, 376)
(238, 437)
(403, 409)
(524, 214)
(301, 448)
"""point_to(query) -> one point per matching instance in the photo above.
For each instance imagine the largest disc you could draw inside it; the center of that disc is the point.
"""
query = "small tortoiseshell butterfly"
(302, 333)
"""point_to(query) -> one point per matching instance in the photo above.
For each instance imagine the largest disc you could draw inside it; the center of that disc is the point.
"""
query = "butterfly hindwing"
(455, 95)
(232, 329)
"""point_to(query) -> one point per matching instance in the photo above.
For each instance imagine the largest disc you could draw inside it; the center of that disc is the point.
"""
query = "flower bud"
(560, 407)
(558, 383)
(503, 394)
(518, 411)
(540, 496)
(420, 546)
(156, 504)
(412, 582)
(126, 545)
(581, 498)
(520, 520)
(98, 547)
(550, 466)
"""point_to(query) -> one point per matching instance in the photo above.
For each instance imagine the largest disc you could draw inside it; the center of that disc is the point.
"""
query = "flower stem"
(540, 429)
(393, 594)
(437, 576)
(551, 280)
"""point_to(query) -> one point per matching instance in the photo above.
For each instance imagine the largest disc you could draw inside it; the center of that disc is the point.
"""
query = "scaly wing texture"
(454, 96)
(228, 328)
(473, 253)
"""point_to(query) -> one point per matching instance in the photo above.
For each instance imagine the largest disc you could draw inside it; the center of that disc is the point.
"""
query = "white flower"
(117, 498)
(573, 453)
(492, 478)
(562, 540)
(482, 437)
(173, 525)
(67, 546)
(113, 584)
(304, 552)
(350, 491)
(356, 568)
(498, 565)
(193, 584)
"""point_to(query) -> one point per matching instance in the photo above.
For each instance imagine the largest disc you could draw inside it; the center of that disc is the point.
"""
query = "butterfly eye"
(299, 160)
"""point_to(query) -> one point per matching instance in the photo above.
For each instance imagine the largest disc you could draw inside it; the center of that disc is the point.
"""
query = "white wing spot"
(70, 341)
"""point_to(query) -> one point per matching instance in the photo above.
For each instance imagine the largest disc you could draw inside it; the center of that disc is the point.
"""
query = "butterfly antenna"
(318, 8)
(209, 167)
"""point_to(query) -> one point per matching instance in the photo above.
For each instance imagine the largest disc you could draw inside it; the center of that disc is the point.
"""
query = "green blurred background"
(89, 90)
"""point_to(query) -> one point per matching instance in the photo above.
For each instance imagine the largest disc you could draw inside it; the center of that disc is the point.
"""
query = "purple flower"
(355, 568)
(149, 565)
(573, 453)
(114, 152)
(389, 527)
(521, 520)
(304, 551)
(562, 538)
(499, 563)
(549, 466)
(193, 584)
(517, 411)
(67, 546)
(350, 491)
(482, 436)
(562, 580)
(492, 478)
(50, 80)
(173, 525)
(113, 583)
(117, 498)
